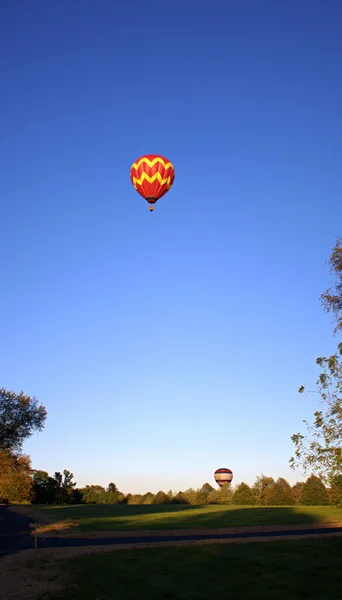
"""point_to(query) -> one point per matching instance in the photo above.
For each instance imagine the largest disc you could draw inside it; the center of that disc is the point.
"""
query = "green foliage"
(336, 495)
(332, 297)
(225, 495)
(297, 490)
(161, 498)
(280, 494)
(59, 489)
(320, 450)
(20, 417)
(260, 487)
(314, 492)
(15, 479)
(179, 498)
(243, 495)
(97, 494)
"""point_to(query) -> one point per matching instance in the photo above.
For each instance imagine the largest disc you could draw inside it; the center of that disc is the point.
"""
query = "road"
(14, 531)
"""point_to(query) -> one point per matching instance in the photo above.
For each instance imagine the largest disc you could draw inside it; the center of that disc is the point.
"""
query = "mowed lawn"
(166, 517)
(286, 569)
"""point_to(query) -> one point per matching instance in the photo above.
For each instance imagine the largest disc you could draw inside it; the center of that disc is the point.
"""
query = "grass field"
(282, 570)
(166, 517)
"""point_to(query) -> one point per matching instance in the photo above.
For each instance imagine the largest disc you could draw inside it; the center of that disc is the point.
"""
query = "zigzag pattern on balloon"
(152, 162)
(156, 176)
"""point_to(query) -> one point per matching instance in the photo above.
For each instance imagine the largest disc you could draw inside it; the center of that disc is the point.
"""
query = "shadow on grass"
(292, 569)
(167, 517)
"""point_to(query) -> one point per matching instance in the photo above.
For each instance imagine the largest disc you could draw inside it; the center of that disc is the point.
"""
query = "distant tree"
(15, 479)
(93, 494)
(260, 487)
(215, 497)
(191, 496)
(224, 495)
(179, 498)
(64, 487)
(297, 491)
(314, 492)
(243, 495)
(112, 488)
(148, 498)
(203, 494)
(44, 488)
(20, 417)
(161, 498)
(280, 494)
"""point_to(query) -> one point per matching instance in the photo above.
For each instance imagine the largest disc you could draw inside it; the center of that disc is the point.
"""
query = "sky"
(165, 345)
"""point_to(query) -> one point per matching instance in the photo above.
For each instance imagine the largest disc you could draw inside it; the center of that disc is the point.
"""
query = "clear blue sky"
(165, 345)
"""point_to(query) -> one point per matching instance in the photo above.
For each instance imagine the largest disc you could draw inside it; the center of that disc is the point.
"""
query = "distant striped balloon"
(223, 476)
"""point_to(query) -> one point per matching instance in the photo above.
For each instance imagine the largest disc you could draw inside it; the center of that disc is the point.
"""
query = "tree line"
(22, 484)
(318, 451)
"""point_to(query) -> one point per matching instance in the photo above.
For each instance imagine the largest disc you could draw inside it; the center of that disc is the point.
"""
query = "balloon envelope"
(152, 176)
(223, 476)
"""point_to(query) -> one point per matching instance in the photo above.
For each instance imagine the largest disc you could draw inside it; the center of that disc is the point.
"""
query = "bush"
(314, 492)
(243, 494)
(280, 494)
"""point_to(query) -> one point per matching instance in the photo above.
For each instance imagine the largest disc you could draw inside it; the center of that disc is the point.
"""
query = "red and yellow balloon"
(152, 176)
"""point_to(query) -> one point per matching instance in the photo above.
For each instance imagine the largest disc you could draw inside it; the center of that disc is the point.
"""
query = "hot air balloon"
(223, 476)
(152, 176)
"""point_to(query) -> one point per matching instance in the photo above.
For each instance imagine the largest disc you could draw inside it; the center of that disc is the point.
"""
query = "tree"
(297, 490)
(332, 298)
(20, 416)
(314, 492)
(112, 488)
(224, 495)
(44, 488)
(280, 494)
(261, 486)
(161, 498)
(243, 495)
(15, 477)
(336, 491)
(320, 450)
(64, 487)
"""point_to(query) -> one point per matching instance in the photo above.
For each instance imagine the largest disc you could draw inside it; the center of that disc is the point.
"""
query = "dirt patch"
(30, 575)
(44, 523)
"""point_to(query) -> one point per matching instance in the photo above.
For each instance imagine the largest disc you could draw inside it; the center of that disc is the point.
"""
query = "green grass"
(301, 569)
(157, 517)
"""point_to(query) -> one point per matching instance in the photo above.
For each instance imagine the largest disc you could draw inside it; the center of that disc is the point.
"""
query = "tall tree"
(280, 494)
(260, 487)
(15, 477)
(314, 492)
(20, 417)
(332, 297)
(320, 450)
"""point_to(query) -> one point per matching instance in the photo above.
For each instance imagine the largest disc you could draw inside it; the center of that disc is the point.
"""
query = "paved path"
(14, 531)
(69, 542)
